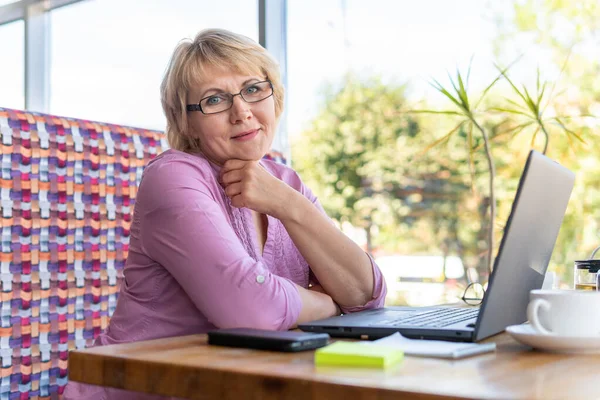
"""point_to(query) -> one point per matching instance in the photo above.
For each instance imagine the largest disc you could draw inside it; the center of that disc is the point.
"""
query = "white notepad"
(433, 348)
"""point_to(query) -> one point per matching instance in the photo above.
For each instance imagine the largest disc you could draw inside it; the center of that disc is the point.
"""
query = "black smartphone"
(268, 340)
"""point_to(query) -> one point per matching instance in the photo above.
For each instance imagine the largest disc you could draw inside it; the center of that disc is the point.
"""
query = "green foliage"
(466, 112)
(358, 156)
(420, 182)
(525, 106)
(557, 22)
(531, 110)
(349, 142)
(567, 30)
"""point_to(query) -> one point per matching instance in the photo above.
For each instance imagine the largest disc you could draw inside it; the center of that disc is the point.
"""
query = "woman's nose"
(240, 110)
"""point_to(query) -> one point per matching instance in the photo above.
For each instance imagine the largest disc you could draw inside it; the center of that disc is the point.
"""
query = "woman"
(220, 237)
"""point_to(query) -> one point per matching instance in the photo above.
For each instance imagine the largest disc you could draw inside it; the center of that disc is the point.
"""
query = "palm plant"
(466, 111)
(530, 107)
(533, 112)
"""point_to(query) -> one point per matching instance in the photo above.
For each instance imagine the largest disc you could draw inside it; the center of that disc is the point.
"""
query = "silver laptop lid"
(529, 237)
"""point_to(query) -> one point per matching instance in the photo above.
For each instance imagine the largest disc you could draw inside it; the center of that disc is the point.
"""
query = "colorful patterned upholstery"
(67, 191)
(276, 156)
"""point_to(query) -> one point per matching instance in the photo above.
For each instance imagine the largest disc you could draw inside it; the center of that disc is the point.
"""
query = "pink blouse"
(194, 263)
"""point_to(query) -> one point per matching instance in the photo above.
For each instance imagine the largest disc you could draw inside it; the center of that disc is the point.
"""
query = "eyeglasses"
(473, 294)
(216, 103)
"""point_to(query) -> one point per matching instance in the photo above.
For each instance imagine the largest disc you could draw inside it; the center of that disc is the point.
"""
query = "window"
(399, 41)
(108, 57)
(356, 72)
(12, 67)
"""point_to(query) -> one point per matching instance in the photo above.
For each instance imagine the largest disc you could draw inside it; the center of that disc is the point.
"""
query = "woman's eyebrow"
(250, 80)
(219, 90)
(204, 92)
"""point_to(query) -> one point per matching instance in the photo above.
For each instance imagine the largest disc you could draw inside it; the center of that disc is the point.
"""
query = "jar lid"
(592, 265)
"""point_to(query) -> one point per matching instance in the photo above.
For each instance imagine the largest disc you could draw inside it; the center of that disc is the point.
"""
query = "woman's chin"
(249, 158)
(252, 155)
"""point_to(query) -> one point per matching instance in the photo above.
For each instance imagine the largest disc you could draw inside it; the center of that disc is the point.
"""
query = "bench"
(67, 191)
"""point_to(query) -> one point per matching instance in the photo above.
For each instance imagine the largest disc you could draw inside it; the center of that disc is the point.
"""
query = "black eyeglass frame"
(473, 301)
(197, 107)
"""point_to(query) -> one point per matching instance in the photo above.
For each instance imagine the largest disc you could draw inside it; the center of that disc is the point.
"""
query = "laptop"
(519, 267)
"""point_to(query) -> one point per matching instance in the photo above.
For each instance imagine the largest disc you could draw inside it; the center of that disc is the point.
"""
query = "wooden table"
(187, 367)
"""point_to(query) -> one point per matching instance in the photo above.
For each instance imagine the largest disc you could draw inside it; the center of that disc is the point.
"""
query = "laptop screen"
(526, 247)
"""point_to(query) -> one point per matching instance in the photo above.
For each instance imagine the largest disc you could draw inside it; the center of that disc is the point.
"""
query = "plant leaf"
(537, 83)
(502, 74)
(562, 69)
(436, 84)
(469, 70)
(530, 103)
(453, 83)
(514, 103)
(508, 110)
(434, 112)
(497, 127)
(442, 139)
(578, 116)
(442, 90)
(519, 128)
(487, 89)
(568, 131)
(512, 84)
(541, 94)
(514, 131)
(463, 92)
(570, 139)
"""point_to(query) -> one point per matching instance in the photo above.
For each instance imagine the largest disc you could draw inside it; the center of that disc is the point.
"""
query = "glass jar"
(586, 274)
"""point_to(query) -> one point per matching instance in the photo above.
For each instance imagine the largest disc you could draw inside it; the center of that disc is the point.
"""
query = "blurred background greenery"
(382, 170)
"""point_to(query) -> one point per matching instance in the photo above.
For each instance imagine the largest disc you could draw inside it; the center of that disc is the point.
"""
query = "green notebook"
(357, 354)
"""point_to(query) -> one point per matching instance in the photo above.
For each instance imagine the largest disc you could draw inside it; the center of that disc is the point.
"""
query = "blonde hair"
(187, 68)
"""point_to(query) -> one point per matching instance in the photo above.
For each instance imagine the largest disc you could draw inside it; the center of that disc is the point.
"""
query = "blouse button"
(260, 278)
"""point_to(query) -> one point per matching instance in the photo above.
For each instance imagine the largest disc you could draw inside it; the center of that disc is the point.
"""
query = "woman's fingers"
(232, 176)
(234, 164)
(238, 201)
(249, 185)
(236, 170)
(233, 189)
(234, 192)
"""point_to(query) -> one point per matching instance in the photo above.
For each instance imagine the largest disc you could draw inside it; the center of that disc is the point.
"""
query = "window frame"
(272, 25)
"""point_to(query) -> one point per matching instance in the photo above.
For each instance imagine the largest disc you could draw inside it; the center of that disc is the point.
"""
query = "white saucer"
(557, 344)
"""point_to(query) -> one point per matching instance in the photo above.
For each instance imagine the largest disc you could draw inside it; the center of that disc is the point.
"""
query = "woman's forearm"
(315, 306)
(341, 266)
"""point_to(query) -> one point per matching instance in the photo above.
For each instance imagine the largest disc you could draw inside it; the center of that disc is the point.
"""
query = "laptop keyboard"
(437, 318)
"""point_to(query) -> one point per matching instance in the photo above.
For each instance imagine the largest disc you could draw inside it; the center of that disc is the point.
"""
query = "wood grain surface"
(187, 367)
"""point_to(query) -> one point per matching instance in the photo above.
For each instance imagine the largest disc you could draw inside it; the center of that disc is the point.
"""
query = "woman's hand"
(316, 304)
(318, 288)
(249, 185)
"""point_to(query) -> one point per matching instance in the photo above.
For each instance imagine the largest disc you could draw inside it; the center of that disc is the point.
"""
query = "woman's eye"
(213, 100)
(252, 89)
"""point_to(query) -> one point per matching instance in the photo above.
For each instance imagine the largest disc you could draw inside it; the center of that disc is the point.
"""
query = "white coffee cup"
(565, 312)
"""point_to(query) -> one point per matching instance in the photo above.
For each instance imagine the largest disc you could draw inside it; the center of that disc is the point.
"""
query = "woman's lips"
(246, 135)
